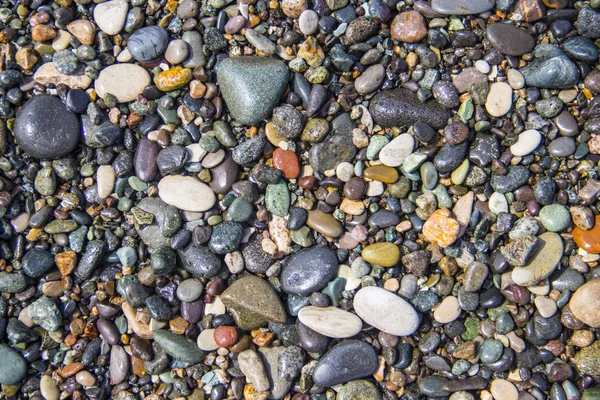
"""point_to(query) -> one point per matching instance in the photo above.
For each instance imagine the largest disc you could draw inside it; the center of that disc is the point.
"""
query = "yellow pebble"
(385, 254)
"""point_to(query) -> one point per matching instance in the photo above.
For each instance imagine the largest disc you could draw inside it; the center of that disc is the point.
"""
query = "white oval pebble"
(374, 188)
(527, 142)
(482, 66)
(110, 16)
(515, 79)
(308, 22)
(189, 290)
(544, 260)
(386, 311)
(497, 203)
(186, 193)
(447, 311)
(124, 81)
(330, 321)
(504, 390)
(395, 152)
(499, 99)
(197, 152)
(105, 178)
(206, 340)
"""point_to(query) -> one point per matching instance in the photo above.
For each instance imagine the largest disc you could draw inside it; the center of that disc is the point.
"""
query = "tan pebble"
(504, 390)
(83, 30)
(441, 228)
(85, 378)
(447, 311)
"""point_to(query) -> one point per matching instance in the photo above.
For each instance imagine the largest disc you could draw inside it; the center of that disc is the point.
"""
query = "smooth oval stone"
(462, 7)
(330, 321)
(381, 173)
(385, 254)
(124, 81)
(562, 147)
(144, 162)
(252, 86)
(551, 69)
(566, 124)
(543, 260)
(186, 193)
(510, 39)
(119, 364)
(224, 175)
(526, 143)
(309, 270)
(386, 311)
(178, 346)
(45, 129)
(253, 303)
(370, 80)
(588, 240)
(395, 152)
(585, 303)
(200, 261)
(347, 361)
(581, 48)
(148, 43)
(401, 107)
(12, 366)
(499, 99)
(325, 224)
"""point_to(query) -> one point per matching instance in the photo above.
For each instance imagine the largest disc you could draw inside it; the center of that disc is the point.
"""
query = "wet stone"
(510, 39)
(358, 357)
(309, 270)
(148, 43)
(550, 69)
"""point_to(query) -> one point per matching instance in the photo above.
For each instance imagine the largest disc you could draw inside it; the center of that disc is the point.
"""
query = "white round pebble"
(110, 16)
(197, 153)
(447, 311)
(177, 51)
(498, 203)
(206, 340)
(124, 81)
(344, 171)
(499, 99)
(527, 142)
(482, 66)
(515, 79)
(375, 188)
(308, 22)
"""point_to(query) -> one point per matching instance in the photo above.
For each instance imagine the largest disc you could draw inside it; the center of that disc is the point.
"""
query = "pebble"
(251, 86)
(177, 51)
(330, 321)
(395, 152)
(551, 69)
(12, 366)
(148, 43)
(588, 239)
(252, 367)
(370, 79)
(583, 303)
(359, 358)
(308, 22)
(386, 311)
(45, 129)
(409, 27)
(106, 178)
(447, 311)
(400, 107)
(499, 99)
(384, 254)
(542, 262)
(253, 303)
(110, 16)
(555, 217)
(462, 7)
(526, 143)
(186, 193)
(309, 270)
(503, 389)
(124, 81)
(510, 39)
(441, 228)
(178, 346)
(358, 390)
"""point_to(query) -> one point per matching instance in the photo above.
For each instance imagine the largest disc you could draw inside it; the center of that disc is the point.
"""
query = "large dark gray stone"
(347, 361)
(45, 129)
(309, 270)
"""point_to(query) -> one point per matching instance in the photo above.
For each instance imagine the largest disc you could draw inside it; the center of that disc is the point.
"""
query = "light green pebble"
(444, 199)
(460, 367)
(375, 145)
(491, 351)
(277, 199)
(459, 175)
(240, 210)
(127, 256)
(136, 184)
(555, 217)
(429, 175)
(413, 162)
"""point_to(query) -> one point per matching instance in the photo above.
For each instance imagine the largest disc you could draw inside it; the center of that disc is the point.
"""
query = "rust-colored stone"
(409, 27)
(588, 240)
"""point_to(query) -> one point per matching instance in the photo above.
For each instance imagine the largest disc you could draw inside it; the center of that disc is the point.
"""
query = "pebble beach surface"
(299, 199)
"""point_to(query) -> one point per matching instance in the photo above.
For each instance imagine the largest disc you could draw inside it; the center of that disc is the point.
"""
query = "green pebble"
(472, 325)
(460, 367)
(375, 145)
(277, 198)
(124, 204)
(224, 134)
(555, 217)
(61, 226)
(136, 184)
(163, 260)
(240, 210)
(127, 256)
(209, 143)
(491, 351)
